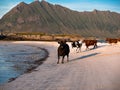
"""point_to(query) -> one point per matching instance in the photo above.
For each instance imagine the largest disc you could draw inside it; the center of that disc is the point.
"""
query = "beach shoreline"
(39, 61)
(95, 69)
(31, 68)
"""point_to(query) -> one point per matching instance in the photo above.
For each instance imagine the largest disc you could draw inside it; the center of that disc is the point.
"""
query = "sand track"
(96, 69)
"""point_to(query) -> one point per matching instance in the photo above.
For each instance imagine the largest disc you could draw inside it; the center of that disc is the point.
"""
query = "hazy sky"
(79, 5)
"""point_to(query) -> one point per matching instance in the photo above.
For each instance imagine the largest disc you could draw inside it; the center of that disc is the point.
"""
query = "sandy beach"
(96, 69)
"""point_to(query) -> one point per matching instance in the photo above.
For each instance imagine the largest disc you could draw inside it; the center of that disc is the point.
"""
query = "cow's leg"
(87, 48)
(79, 47)
(68, 58)
(63, 59)
(77, 50)
(58, 59)
(95, 45)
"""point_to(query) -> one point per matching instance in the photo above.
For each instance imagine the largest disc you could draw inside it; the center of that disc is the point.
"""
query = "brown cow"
(89, 43)
(111, 40)
(119, 39)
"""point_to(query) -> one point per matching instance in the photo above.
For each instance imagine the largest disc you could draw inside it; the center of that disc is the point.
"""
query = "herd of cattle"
(64, 50)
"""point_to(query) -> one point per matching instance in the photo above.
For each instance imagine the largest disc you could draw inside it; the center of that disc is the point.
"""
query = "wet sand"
(17, 59)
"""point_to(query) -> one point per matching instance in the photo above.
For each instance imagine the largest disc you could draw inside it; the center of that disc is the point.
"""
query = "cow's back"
(111, 40)
(63, 50)
(90, 42)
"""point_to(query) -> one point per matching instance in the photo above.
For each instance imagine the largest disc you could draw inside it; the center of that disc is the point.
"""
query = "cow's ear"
(59, 42)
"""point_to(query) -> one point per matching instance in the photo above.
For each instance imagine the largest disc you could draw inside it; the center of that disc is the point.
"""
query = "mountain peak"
(35, 2)
(44, 2)
(22, 4)
(20, 7)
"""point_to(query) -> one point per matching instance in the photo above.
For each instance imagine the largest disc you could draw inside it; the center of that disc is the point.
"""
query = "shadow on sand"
(85, 56)
(94, 48)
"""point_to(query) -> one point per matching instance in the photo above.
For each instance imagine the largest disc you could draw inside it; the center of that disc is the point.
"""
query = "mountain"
(55, 19)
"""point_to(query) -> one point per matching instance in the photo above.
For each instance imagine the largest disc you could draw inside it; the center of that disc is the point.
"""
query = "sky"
(78, 5)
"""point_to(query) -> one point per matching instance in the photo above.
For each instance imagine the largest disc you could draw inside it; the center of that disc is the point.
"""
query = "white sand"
(97, 69)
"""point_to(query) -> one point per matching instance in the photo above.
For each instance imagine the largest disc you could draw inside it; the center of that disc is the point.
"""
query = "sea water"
(15, 59)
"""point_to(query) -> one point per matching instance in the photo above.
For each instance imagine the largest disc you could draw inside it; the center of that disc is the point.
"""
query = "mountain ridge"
(55, 19)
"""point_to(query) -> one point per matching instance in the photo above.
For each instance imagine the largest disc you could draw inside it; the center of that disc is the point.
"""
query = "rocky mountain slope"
(55, 19)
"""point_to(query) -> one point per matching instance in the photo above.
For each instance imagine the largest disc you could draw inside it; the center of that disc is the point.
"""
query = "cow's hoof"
(57, 62)
(62, 62)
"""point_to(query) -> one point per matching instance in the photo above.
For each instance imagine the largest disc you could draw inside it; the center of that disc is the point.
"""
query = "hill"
(55, 19)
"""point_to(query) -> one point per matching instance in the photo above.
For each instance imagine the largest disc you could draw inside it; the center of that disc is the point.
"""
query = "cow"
(111, 40)
(63, 50)
(74, 44)
(119, 39)
(77, 44)
(89, 43)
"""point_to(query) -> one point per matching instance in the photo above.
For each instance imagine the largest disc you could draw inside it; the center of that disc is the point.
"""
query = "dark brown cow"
(119, 39)
(63, 50)
(89, 43)
(111, 40)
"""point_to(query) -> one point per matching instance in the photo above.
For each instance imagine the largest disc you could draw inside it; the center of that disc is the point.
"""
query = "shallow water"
(15, 59)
